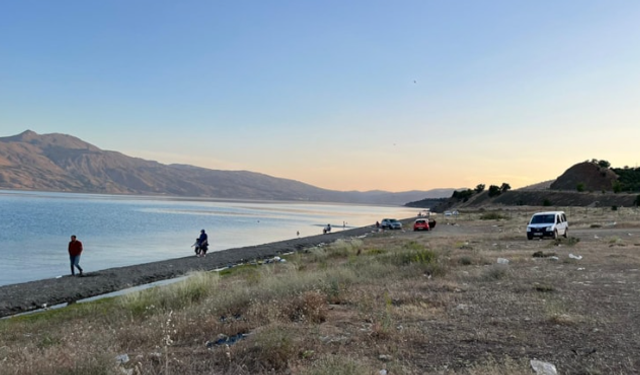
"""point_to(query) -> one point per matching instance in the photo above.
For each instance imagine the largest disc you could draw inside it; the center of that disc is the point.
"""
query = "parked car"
(390, 224)
(421, 224)
(548, 224)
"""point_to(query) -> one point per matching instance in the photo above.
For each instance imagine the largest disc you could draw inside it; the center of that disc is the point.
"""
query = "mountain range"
(59, 162)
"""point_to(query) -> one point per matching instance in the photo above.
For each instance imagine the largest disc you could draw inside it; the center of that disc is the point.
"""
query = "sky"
(343, 95)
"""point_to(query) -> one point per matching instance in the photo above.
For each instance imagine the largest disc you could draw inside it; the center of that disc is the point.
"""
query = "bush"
(274, 348)
(492, 216)
(310, 306)
(417, 256)
(546, 202)
(617, 186)
(174, 296)
(543, 288)
(423, 261)
(495, 272)
(580, 187)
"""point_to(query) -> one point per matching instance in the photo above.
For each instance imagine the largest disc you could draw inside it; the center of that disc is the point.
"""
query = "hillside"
(591, 183)
(592, 177)
(59, 162)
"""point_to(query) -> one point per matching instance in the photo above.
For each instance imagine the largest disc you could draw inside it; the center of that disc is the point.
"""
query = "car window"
(543, 219)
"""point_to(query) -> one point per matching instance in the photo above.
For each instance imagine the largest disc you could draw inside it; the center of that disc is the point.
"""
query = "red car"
(421, 224)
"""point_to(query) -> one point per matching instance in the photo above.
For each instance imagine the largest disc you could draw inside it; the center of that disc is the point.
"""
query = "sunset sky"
(345, 95)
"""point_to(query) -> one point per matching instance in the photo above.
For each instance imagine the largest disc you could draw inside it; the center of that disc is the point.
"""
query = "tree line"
(494, 191)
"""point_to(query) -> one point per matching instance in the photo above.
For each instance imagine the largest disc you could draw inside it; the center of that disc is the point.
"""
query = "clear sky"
(345, 95)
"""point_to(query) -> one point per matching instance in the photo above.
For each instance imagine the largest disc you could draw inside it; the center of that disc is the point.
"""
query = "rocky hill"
(592, 176)
(59, 162)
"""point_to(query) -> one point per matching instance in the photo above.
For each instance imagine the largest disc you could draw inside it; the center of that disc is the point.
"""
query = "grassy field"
(409, 303)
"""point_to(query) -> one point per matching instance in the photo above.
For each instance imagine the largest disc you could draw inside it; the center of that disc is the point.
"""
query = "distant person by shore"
(75, 249)
(327, 229)
(196, 246)
(203, 243)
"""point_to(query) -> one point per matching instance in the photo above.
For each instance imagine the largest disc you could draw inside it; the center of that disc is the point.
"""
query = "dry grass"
(410, 303)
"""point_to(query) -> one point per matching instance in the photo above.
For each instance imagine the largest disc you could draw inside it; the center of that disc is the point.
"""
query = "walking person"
(75, 249)
(203, 243)
(196, 246)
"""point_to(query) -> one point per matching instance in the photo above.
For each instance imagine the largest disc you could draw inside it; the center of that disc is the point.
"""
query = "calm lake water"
(124, 230)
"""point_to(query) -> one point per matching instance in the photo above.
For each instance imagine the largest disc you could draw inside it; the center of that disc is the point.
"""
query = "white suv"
(548, 224)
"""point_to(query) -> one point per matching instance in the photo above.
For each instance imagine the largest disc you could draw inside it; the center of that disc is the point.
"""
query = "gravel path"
(29, 296)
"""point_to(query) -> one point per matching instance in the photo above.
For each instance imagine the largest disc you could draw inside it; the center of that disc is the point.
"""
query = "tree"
(479, 188)
(604, 164)
(462, 195)
(580, 187)
(505, 187)
(617, 186)
(494, 191)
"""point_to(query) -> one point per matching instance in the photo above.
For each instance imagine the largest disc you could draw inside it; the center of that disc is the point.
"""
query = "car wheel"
(529, 237)
(555, 234)
(566, 233)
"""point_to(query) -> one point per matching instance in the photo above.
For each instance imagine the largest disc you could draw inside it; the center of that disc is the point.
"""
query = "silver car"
(390, 224)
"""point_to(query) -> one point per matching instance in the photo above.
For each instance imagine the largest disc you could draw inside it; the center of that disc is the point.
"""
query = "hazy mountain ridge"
(59, 162)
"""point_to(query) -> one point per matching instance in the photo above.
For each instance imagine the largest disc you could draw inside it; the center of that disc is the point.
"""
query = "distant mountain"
(59, 162)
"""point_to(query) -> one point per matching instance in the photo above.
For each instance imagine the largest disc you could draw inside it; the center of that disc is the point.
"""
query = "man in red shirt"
(75, 249)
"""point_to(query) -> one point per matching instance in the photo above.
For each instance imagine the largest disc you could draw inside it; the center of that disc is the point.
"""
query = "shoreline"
(32, 295)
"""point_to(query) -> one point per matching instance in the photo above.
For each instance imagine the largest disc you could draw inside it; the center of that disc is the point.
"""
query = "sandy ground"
(29, 296)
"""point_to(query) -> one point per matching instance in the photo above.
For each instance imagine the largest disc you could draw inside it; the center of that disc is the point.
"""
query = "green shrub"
(546, 202)
(617, 186)
(174, 296)
(343, 248)
(423, 256)
(492, 216)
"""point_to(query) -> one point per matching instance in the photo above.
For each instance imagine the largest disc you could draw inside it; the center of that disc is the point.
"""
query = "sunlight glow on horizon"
(361, 95)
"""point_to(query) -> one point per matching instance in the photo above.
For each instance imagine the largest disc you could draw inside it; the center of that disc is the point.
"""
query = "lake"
(124, 230)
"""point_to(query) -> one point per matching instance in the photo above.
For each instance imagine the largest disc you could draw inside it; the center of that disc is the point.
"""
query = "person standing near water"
(203, 243)
(75, 249)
